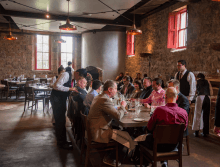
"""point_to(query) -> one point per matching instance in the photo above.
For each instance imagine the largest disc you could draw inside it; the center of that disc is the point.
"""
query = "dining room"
(106, 38)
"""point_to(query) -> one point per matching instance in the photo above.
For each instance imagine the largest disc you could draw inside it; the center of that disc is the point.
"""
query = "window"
(130, 45)
(66, 51)
(42, 58)
(177, 29)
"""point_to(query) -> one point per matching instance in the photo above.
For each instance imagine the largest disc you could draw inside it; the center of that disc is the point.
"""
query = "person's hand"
(74, 90)
(123, 103)
(217, 130)
(146, 105)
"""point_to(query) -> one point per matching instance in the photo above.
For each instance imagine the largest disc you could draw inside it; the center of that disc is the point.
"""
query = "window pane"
(69, 43)
(63, 47)
(45, 65)
(63, 57)
(45, 48)
(182, 38)
(46, 39)
(39, 39)
(39, 56)
(69, 57)
(39, 64)
(39, 47)
(183, 20)
(46, 56)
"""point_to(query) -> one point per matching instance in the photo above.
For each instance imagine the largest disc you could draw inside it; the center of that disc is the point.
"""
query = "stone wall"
(18, 57)
(203, 29)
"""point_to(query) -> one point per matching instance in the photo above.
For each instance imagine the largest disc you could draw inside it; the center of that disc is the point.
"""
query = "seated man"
(165, 115)
(157, 97)
(147, 88)
(96, 88)
(182, 100)
(101, 114)
(127, 88)
(81, 94)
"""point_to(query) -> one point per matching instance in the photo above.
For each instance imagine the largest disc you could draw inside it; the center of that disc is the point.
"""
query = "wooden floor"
(28, 140)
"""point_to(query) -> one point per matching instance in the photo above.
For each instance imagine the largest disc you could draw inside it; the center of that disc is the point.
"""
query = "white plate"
(138, 119)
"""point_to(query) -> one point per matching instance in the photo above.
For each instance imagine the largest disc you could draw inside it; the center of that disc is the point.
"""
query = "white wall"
(106, 50)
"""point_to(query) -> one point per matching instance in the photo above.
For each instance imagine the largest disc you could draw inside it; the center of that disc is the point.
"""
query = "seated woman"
(138, 89)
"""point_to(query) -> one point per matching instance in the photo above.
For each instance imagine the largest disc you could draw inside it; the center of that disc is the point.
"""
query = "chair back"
(6, 85)
(169, 134)
(28, 83)
(85, 128)
(30, 79)
(29, 93)
(43, 80)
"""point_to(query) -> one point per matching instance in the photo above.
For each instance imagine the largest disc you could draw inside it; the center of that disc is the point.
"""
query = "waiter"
(58, 99)
(70, 71)
(187, 80)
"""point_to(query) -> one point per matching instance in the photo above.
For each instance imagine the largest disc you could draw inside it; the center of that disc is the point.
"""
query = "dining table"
(132, 120)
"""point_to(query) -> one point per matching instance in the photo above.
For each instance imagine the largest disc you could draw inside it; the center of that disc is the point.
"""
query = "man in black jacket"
(182, 100)
(147, 88)
(217, 115)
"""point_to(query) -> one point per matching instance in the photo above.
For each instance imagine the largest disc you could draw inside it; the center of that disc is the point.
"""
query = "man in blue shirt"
(96, 88)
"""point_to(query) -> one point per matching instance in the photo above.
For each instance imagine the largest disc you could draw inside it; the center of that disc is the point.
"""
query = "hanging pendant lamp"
(68, 26)
(60, 40)
(10, 37)
(134, 30)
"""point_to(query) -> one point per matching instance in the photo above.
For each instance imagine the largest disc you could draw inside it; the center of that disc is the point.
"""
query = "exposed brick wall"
(18, 57)
(203, 29)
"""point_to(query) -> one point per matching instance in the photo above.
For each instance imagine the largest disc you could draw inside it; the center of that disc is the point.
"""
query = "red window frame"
(66, 52)
(48, 52)
(174, 28)
(130, 44)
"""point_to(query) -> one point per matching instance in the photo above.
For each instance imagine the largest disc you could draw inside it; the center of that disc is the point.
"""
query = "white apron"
(198, 113)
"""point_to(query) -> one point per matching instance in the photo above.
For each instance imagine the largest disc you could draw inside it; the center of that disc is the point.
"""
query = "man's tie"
(180, 76)
(125, 90)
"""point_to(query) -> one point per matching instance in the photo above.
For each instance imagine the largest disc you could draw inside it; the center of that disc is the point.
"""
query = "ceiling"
(86, 15)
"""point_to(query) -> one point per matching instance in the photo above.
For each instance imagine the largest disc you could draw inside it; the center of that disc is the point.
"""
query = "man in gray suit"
(102, 112)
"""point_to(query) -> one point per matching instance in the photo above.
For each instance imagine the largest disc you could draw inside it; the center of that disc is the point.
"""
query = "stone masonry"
(203, 29)
(18, 57)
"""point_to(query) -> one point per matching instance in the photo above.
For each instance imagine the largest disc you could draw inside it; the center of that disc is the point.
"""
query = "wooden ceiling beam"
(12, 13)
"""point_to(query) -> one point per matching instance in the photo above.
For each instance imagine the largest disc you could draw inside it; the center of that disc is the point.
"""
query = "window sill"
(177, 50)
(40, 70)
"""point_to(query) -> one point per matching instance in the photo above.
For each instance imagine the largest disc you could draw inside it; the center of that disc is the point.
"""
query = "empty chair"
(7, 90)
(164, 134)
(43, 80)
(30, 96)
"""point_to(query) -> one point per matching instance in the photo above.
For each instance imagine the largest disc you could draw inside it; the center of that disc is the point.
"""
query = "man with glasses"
(128, 88)
(187, 80)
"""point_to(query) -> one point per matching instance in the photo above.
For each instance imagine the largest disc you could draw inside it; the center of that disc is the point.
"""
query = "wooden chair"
(164, 134)
(43, 80)
(30, 96)
(94, 146)
(30, 79)
(7, 90)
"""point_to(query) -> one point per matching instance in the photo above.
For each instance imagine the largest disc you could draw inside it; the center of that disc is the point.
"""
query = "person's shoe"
(65, 146)
(203, 135)
(111, 162)
(196, 134)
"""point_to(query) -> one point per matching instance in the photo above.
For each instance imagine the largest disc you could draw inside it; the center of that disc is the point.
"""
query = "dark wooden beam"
(125, 23)
(9, 19)
(158, 9)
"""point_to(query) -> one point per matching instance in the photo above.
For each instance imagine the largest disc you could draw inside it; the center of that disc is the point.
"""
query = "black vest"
(68, 84)
(203, 87)
(184, 84)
